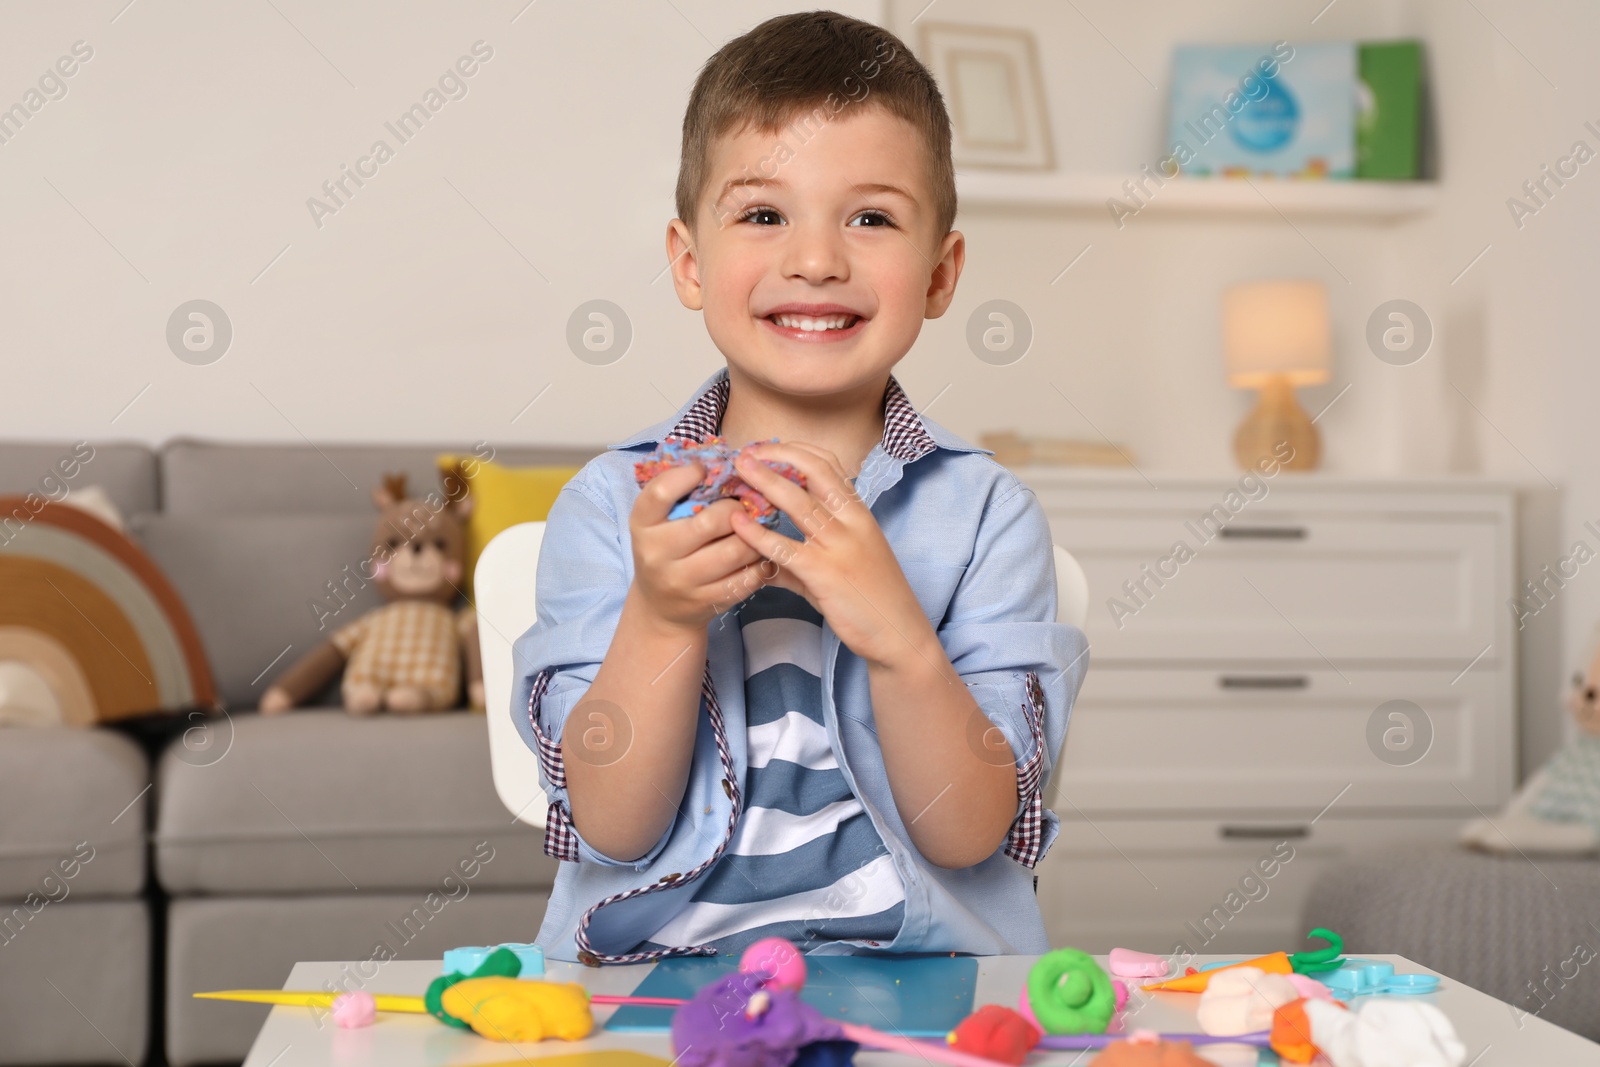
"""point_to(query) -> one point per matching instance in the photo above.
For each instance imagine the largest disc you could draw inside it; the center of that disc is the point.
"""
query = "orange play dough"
(1156, 1054)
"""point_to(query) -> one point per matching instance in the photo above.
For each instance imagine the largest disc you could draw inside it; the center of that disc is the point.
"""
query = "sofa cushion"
(503, 497)
(73, 808)
(127, 472)
(1517, 928)
(263, 589)
(205, 477)
(322, 801)
(96, 954)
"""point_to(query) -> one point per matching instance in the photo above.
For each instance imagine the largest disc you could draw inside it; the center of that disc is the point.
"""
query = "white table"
(1495, 1036)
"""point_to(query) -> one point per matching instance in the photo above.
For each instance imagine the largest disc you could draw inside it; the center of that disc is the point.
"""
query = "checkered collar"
(905, 436)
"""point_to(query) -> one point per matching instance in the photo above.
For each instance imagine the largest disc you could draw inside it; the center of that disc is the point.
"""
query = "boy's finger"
(665, 490)
(752, 576)
(824, 481)
(823, 454)
(772, 545)
(681, 537)
(803, 506)
(723, 561)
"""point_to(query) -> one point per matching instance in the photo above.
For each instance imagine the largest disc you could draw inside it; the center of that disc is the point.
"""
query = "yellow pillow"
(502, 497)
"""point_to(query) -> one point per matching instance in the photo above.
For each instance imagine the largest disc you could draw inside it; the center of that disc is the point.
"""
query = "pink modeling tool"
(1082, 1041)
(934, 1050)
(648, 1002)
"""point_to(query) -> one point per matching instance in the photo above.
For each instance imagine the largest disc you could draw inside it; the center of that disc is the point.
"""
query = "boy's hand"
(684, 569)
(845, 567)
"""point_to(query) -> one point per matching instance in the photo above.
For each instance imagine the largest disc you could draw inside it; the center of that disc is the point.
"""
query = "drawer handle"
(1263, 833)
(1265, 533)
(1263, 681)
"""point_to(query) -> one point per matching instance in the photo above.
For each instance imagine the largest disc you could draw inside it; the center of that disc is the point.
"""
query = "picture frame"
(994, 87)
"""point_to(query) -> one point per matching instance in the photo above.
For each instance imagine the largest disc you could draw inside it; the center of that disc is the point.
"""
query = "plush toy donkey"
(407, 656)
(1558, 810)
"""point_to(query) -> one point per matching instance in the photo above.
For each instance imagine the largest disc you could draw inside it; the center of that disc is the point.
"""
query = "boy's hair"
(806, 69)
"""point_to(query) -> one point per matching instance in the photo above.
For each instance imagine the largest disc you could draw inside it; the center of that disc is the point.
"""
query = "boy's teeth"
(827, 322)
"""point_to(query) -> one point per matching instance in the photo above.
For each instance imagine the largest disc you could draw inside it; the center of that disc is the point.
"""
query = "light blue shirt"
(975, 547)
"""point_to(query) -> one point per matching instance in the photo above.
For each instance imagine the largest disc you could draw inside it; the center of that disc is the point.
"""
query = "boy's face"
(838, 230)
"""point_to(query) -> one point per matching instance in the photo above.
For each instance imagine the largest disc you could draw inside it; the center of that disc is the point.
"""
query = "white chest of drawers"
(1296, 663)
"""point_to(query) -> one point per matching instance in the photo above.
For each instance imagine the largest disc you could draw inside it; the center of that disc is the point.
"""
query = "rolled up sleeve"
(1023, 667)
(581, 584)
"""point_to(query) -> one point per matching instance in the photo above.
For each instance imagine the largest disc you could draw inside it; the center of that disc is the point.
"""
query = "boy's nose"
(816, 254)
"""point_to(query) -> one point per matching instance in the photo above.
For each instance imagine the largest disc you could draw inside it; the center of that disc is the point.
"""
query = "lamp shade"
(1276, 328)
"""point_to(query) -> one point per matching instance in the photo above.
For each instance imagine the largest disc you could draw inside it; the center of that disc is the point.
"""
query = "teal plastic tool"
(466, 960)
(920, 996)
(1359, 978)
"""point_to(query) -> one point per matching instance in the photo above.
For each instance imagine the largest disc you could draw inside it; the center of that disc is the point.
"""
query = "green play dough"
(501, 963)
(1070, 994)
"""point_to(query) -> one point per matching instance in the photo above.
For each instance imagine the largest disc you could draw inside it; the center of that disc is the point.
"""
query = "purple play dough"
(713, 1031)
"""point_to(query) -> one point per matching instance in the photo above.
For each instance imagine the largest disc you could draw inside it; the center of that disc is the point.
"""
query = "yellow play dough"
(509, 1009)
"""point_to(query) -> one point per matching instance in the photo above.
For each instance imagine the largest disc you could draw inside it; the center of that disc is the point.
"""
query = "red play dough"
(995, 1032)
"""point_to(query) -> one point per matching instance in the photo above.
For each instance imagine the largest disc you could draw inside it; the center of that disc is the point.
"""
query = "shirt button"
(587, 958)
(727, 787)
(671, 877)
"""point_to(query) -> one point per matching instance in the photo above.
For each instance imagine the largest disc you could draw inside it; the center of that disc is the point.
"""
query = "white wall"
(1541, 377)
(433, 305)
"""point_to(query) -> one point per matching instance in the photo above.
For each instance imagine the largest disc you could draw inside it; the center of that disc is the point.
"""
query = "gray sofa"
(1518, 927)
(311, 836)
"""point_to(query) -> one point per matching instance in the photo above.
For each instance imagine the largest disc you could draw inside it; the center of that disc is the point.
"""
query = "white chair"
(504, 584)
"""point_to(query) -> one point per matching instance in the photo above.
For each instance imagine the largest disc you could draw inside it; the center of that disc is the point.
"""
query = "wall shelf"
(1086, 192)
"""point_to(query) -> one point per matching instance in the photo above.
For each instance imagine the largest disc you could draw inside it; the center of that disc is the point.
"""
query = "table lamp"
(1275, 336)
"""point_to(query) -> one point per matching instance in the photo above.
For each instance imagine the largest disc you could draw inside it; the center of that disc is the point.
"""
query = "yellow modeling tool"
(383, 1001)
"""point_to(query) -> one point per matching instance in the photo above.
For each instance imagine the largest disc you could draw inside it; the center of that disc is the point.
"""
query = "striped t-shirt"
(805, 862)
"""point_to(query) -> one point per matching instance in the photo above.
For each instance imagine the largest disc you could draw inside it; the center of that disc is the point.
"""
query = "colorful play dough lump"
(721, 479)
(1241, 1000)
(1126, 963)
(741, 1021)
(352, 1011)
(1384, 1032)
(1293, 1036)
(1309, 987)
(510, 1009)
(995, 1032)
(1144, 1049)
(1119, 990)
(779, 960)
(1070, 994)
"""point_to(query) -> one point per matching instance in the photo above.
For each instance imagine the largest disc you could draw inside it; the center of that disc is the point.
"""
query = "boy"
(839, 730)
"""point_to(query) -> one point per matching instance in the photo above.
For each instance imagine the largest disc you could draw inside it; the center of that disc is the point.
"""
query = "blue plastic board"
(922, 996)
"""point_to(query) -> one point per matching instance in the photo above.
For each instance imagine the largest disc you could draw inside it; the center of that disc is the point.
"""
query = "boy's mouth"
(813, 324)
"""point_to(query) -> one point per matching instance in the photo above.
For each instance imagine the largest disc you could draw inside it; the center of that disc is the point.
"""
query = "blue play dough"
(933, 993)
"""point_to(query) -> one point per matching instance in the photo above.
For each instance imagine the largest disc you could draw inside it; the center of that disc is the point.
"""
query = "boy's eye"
(762, 213)
(873, 218)
(766, 216)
